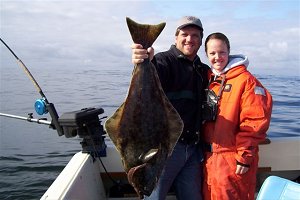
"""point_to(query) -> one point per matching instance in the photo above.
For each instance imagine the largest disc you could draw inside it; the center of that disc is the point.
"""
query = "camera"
(210, 106)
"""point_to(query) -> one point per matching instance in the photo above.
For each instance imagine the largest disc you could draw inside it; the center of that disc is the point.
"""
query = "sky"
(86, 33)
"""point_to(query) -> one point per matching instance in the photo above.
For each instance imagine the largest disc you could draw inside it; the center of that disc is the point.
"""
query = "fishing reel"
(40, 106)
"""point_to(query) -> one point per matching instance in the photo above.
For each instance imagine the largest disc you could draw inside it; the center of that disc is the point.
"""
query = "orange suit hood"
(233, 61)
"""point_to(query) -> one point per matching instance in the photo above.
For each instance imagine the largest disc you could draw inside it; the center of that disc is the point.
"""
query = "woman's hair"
(218, 36)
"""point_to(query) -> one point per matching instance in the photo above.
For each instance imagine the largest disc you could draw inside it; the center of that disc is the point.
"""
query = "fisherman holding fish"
(183, 78)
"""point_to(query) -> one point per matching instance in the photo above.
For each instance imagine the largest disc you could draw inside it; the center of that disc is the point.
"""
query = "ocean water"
(32, 155)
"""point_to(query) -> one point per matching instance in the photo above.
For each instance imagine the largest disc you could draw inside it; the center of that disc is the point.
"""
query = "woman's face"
(217, 54)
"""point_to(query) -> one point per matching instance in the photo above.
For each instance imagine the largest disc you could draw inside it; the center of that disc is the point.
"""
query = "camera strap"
(221, 86)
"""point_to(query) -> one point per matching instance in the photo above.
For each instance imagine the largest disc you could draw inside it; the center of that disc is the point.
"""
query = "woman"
(243, 112)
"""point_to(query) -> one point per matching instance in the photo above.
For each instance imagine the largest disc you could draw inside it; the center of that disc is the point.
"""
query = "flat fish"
(146, 127)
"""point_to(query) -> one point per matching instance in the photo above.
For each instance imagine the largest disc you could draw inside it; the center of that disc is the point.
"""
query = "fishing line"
(42, 106)
(26, 71)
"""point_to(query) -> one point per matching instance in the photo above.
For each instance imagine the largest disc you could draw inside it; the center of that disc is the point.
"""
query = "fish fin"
(112, 124)
(175, 126)
(144, 34)
(133, 176)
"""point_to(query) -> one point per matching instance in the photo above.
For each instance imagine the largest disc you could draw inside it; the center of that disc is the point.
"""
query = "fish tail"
(144, 34)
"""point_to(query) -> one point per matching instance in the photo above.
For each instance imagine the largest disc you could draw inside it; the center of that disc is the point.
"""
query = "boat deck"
(85, 178)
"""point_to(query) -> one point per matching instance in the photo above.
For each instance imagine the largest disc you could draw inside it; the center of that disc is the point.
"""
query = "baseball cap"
(189, 20)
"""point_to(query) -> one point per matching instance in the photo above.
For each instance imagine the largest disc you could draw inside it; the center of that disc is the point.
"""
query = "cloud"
(278, 47)
(84, 32)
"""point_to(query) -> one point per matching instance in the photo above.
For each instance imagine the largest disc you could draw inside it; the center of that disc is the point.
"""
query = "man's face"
(188, 41)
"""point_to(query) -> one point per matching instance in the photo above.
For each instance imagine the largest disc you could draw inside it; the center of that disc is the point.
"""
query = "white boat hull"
(81, 178)
(282, 154)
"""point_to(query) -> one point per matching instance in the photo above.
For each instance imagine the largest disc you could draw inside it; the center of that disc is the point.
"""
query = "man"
(183, 78)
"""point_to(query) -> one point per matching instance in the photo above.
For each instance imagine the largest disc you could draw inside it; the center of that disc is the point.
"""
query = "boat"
(97, 172)
(88, 178)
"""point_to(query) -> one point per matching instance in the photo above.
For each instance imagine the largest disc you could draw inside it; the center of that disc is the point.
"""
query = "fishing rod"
(29, 118)
(84, 122)
(42, 106)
